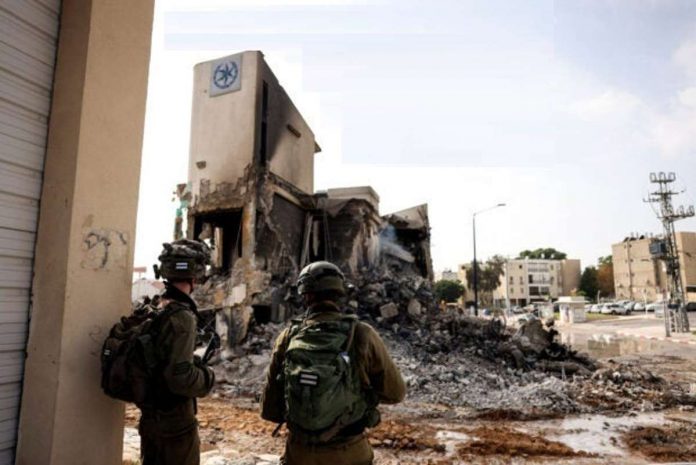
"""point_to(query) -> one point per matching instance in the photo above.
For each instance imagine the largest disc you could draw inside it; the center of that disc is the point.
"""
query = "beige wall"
(226, 134)
(86, 230)
(686, 244)
(636, 275)
(223, 127)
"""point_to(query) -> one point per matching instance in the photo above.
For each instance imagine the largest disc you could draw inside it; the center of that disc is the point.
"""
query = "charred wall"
(279, 237)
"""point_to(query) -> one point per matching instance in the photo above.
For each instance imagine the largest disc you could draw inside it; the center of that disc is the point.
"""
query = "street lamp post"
(475, 264)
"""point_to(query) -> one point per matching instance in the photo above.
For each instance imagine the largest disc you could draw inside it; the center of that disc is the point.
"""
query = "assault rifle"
(207, 331)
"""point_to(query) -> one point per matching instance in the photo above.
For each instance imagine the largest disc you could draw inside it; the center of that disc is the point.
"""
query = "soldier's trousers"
(356, 451)
(182, 449)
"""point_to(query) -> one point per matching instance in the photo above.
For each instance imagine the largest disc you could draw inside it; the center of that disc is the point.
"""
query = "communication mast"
(665, 249)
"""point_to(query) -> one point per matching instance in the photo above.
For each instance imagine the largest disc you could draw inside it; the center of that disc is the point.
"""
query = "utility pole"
(676, 318)
(473, 223)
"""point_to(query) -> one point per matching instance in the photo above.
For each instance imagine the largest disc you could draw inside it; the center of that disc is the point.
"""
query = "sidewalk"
(657, 333)
(652, 328)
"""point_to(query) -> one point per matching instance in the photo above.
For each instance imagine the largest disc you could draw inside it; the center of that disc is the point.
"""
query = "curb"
(657, 338)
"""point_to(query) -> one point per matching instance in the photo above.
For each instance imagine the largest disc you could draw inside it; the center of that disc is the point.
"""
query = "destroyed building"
(250, 195)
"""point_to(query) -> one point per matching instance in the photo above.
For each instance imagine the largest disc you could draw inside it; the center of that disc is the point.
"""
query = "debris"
(671, 443)
(414, 308)
(389, 310)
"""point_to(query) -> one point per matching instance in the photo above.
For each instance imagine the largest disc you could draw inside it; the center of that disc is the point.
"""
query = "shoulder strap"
(351, 333)
(163, 315)
(292, 332)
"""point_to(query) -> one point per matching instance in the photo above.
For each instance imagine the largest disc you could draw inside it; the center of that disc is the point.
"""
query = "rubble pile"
(465, 379)
(455, 360)
(531, 346)
(386, 296)
(241, 372)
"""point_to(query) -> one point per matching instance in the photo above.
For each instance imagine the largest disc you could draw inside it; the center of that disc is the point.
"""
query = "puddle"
(600, 434)
(594, 434)
(597, 434)
(450, 439)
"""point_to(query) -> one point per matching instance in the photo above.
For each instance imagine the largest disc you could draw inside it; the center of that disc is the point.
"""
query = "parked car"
(630, 305)
(639, 307)
(691, 307)
(614, 308)
(595, 308)
(656, 307)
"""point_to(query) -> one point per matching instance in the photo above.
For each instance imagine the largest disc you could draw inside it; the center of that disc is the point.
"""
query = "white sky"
(559, 108)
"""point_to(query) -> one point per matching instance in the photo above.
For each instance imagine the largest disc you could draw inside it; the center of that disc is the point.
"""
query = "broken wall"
(406, 238)
(352, 238)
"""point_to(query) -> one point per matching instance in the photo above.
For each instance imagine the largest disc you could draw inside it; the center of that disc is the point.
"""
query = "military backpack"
(323, 392)
(129, 358)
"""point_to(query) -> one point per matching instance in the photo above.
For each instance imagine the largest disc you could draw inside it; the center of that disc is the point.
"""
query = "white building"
(526, 281)
(447, 275)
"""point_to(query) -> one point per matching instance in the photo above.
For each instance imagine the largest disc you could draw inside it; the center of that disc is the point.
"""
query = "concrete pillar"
(84, 251)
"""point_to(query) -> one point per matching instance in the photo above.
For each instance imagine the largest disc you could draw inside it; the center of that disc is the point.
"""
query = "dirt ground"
(232, 432)
(437, 435)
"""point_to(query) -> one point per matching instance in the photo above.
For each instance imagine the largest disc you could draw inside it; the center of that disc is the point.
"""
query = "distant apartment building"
(639, 276)
(447, 275)
(526, 281)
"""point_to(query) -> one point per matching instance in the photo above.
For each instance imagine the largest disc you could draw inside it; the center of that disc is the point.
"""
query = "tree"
(588, 282)
(605, 276)
(548, 253)
(448, 290)
(488, 275)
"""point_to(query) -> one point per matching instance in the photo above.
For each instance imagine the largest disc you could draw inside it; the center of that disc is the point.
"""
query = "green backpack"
(129, 358)
(323, 392)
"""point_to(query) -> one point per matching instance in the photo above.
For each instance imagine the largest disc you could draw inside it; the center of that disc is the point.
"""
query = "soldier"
(168, 427)
(327, 375)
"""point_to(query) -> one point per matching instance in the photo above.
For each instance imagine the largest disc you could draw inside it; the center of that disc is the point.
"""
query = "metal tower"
(676, 318)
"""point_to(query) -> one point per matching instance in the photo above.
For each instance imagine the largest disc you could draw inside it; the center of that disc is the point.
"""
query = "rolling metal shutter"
(28, 39)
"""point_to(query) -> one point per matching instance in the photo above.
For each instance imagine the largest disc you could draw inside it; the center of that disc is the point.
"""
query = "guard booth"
(572, 310)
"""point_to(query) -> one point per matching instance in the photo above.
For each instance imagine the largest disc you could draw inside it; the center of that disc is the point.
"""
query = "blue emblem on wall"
(225, 74)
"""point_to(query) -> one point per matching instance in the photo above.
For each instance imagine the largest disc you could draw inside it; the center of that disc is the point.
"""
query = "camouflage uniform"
(168, 427)
(376, 370)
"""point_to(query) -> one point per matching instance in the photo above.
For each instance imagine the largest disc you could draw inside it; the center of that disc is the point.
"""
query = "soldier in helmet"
(327, 375)
(168, 428)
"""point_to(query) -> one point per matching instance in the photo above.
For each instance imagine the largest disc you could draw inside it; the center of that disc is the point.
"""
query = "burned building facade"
(250, 195)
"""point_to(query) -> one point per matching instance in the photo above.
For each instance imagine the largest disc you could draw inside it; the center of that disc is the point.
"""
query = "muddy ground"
(608, 428)
(418, 433)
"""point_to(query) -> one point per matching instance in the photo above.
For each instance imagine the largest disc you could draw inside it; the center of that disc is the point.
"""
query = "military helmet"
(183, 259)
(320, 277)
